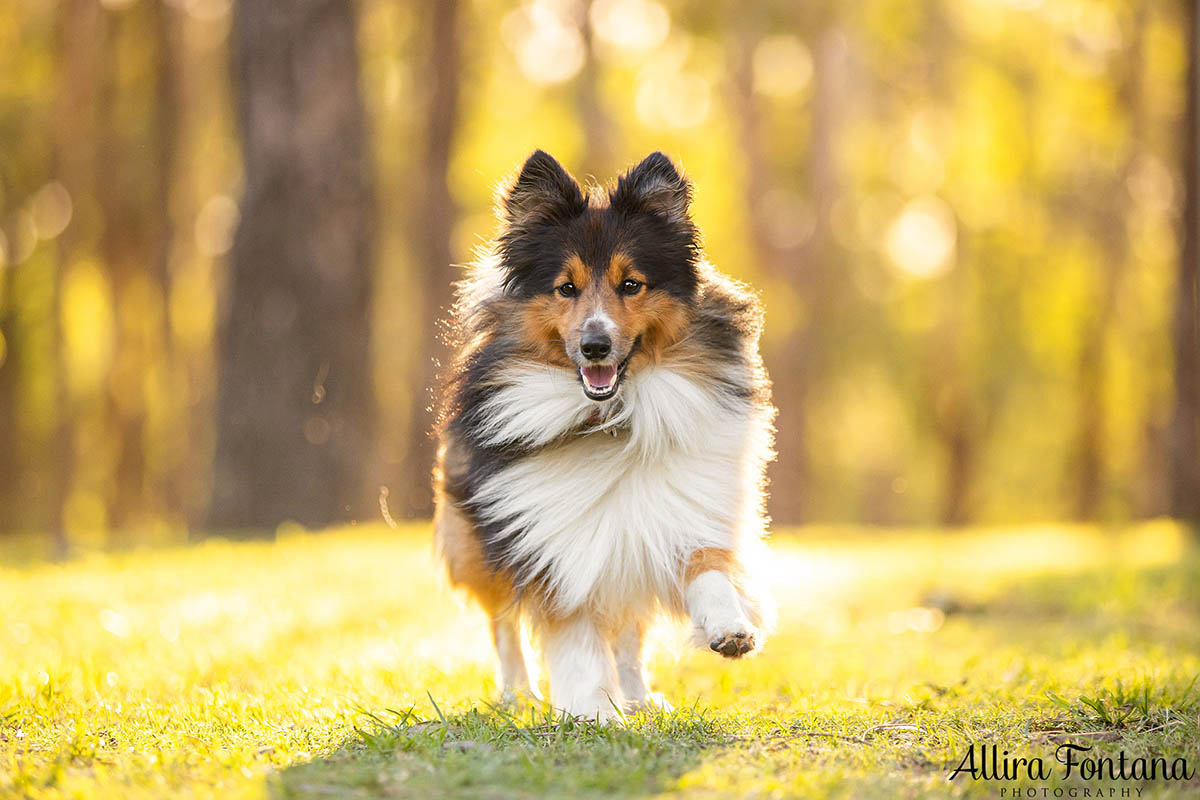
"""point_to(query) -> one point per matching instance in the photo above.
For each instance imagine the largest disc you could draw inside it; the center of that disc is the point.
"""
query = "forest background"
(227, 230)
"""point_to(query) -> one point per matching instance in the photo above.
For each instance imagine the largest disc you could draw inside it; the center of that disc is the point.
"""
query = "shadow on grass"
(491, 752)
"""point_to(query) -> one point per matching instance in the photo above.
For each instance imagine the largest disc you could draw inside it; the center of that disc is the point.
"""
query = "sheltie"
(604, 428)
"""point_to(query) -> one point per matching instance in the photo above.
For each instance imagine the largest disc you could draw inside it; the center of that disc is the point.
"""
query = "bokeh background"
(227, 230)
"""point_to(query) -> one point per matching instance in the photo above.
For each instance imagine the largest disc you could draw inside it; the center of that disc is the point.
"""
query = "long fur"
(590, 510)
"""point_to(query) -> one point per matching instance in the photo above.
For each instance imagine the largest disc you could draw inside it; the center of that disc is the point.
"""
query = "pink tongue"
(599, 377)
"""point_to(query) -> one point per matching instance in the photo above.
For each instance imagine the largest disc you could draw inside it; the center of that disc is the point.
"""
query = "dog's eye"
(568, 290)
(631, 286)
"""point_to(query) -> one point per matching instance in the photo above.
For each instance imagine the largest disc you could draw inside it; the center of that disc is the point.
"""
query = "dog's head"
(605, 279)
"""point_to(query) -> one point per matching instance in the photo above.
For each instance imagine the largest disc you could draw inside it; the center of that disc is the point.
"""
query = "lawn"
(340, 665)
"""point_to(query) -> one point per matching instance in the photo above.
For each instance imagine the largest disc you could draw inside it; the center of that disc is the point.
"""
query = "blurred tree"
(125, 178)
(1184, 444)
(10, 432)
(961, 218)
(171, 481)
(949, 392)
(594, 120)
(801, 361)
(295, 410)
(792, 363)
(78, 56)
(1107, 210)
(433, 235)
(27, 93)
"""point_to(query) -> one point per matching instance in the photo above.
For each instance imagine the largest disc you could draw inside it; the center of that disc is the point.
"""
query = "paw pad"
(733, 645)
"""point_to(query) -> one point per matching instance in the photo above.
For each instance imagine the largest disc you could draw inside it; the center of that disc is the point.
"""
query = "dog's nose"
(595, 346)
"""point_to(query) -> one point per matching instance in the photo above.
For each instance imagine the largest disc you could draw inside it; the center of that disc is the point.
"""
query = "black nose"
(595, 346)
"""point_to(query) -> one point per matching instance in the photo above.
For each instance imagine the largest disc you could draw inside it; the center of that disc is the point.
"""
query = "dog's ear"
(543, 190)
(654, 186)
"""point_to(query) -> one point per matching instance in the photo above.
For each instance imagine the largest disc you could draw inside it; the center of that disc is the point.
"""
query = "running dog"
(603, 430)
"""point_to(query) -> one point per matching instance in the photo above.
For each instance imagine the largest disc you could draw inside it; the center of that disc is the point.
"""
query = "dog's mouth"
(601, 381)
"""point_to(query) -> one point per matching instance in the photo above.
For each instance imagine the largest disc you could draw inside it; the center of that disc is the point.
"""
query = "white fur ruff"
(608, 520)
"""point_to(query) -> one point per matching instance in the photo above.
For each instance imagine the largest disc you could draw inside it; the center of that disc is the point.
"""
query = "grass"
(340, 665)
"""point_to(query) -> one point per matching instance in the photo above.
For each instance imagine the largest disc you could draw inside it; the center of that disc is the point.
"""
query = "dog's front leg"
(583, 674)
(715, 605)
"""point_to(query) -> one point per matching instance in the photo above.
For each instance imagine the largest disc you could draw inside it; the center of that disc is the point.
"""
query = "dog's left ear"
(654, 186)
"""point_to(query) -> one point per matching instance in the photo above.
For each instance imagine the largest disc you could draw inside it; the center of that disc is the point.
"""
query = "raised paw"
(733, 645)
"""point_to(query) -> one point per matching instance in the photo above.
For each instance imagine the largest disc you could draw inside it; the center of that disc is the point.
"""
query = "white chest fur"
(608, 520)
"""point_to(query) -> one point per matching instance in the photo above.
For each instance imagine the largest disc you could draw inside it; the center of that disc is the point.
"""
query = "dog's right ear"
(542, 191)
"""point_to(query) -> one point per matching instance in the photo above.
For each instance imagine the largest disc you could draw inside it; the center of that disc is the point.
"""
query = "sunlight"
(276, 649)
(24, 238)
(215, 225)
(921, 240)
(633, 26)
(1094, 26)
(783, 66)
(669, 94)
(203, 10)
(87, 320)
(115, 623)
(917, 619)
(1151, 184)
(544, 37)
(51, 210)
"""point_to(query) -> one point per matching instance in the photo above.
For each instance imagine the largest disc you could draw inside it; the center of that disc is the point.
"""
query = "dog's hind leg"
(627, 649)
(719, 611)
(462, 551)
(514, 677)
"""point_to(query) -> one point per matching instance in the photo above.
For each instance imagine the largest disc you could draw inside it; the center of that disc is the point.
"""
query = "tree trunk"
(948, 394)
(596, 123)
(294, 408)
(125, 247)
(787, 363)
(74, 155)
(958, 434)
(171, 478)
(1184, 433)
(797, 363)
(1110, 230)
(432, 238)
(949, 391)
(11, 507)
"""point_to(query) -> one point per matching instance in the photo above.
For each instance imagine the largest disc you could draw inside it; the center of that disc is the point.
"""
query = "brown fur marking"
(462, 550)
(709, 559)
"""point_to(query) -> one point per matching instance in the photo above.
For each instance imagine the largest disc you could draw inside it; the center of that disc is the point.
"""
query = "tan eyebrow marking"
(575, 271)
(620, 267)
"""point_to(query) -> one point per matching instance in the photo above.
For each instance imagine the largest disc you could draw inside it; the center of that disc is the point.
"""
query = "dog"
(604, 429)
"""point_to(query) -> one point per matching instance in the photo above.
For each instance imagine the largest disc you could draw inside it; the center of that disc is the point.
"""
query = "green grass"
(340, 665)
